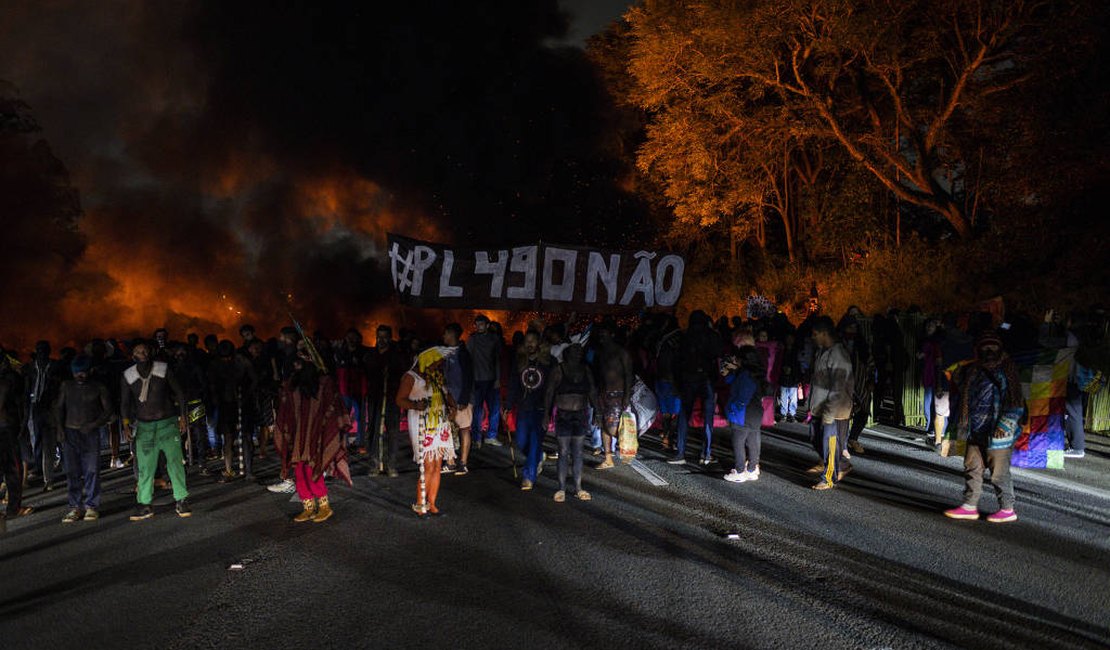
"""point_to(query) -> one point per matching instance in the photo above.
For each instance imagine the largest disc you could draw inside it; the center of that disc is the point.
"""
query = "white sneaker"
(288, 486)
(752, 475)
(117, 464)
(736, 477)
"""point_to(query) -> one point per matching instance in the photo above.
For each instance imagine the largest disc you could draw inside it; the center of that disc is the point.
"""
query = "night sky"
(228, 156)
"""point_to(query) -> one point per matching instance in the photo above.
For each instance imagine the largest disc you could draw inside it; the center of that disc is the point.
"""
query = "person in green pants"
(153, 409)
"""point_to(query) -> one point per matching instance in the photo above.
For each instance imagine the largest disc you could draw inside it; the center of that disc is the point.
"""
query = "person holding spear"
(311, 428)
(430, 412)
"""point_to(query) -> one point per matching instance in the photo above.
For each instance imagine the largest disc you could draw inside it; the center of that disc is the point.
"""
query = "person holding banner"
(424, 394)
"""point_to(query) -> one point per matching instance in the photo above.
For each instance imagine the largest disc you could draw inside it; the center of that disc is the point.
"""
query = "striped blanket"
(1044, 384)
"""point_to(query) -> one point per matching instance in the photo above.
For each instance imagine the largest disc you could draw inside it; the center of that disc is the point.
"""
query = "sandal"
(420, 509)
(560, 496)
(606, 464)
(583, 495)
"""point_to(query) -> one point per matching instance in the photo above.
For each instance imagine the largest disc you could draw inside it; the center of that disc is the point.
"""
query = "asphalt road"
(872, 564)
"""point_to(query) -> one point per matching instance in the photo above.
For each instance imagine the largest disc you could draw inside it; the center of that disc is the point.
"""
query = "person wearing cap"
(83, 408)
(990, 407)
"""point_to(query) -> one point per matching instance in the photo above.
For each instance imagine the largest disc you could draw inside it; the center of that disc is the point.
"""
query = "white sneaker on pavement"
(736, 477)
(288, 486)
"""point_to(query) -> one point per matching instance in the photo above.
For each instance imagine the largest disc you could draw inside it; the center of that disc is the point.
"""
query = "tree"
(40, 210)
(890, 82)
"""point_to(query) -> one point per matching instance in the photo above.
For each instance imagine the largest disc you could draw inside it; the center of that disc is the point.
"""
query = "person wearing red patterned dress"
(311, 429)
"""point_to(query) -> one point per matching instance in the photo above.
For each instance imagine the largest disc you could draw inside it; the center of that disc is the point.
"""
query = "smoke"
(239, 159)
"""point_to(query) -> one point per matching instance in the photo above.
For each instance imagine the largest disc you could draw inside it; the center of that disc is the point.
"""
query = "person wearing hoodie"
(830, 406)
(83, 408)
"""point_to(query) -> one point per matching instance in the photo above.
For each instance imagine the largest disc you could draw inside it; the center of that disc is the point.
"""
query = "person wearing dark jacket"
(991, 406)
(350, 375)
(863, 376)
(192, 381)
(527, 393)
(695, 368)
(82, 410)
(153, 408)
(230, 380)
(790, 379)
(42, 381)
(386, 364)
(485, 348)
(12, 415)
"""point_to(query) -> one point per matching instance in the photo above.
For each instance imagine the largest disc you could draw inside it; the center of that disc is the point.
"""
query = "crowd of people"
(164, 406)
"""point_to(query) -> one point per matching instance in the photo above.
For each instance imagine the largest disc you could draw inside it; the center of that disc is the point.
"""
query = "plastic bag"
(645, 406)
(628, 436)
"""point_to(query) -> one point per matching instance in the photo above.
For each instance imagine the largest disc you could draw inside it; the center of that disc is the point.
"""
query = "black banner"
(538, 277)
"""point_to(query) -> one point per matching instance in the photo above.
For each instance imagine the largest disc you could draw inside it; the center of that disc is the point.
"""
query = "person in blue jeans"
(789, 380)
(695, 367)
(82, 410)
(527, 393)
(484, 347)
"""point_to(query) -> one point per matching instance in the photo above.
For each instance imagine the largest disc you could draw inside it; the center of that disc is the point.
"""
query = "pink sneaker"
(963, 512)
(1002, 516)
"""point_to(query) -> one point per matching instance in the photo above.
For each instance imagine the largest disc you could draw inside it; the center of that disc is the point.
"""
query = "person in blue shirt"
(742, 371)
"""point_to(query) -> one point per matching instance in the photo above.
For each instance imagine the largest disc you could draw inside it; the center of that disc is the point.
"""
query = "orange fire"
(130, 284)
